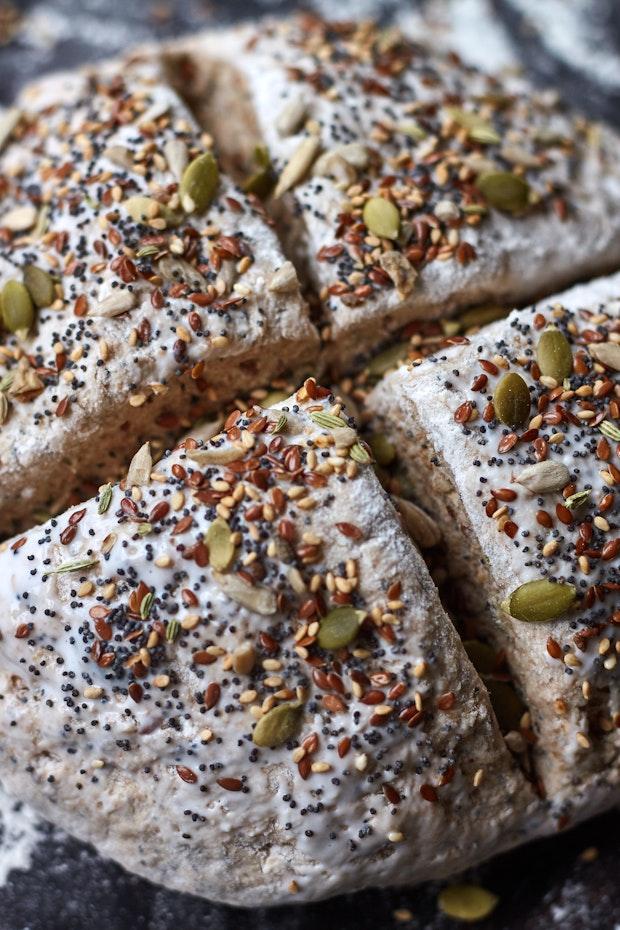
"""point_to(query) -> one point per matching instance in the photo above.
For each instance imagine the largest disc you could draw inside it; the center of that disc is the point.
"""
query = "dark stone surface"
(68, 886)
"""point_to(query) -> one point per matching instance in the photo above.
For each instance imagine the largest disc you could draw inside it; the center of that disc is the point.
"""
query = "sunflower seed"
(292, 116)
(298, 165)
(544, 477)
(175, 153)
(140, 468)
(422, 528)
(220, 544)
(334, 166)
(284, 279)
(254, 597)
(115, 304)
(215, 455)
(25, 383)
(607, 353)
(19, 219)
(178, 271)
(119, 156)
(400, 270)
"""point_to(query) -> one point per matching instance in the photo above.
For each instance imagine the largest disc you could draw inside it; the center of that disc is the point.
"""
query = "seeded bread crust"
(339, 81)
(106, 378)
(566, 668)
(148, 753)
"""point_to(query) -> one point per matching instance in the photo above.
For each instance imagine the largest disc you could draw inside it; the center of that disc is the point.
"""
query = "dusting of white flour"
(20, 831)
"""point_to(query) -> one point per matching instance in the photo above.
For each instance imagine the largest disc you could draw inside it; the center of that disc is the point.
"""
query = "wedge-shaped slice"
(513, 440)
(417, 185)
(235, 677)
(138, 286)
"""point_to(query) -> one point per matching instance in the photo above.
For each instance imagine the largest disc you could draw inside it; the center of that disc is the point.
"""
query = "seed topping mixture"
(125, 258)
(405, 152)
(543, 408)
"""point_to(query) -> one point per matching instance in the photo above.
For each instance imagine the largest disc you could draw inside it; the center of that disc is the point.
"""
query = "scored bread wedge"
(232, 674)
(139, 287)
(408, 184)
(512, 440)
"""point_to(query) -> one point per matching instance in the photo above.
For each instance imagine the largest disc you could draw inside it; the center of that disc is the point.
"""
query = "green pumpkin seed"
(577, 500)
(262, 181)
(382, 449)
(538, 601)
(388, 359)
(413, 130)
(199, 183)
(360, 454)
(382, 218)
(512, 400)
(478, 129)
(468, 903)
(105, 498)
(145, 209)
(504, 191)
(220, 544)
(273, 397)
(554, 355)
(481, 655)
(17, 307)
(339, 627)
(480, 316)
(40, 286)
(507, 705)
(278, 725)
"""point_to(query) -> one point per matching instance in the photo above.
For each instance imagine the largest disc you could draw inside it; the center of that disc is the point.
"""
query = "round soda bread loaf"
(233, 675)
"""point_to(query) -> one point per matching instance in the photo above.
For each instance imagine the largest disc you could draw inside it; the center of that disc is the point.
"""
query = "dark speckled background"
(546, 885)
